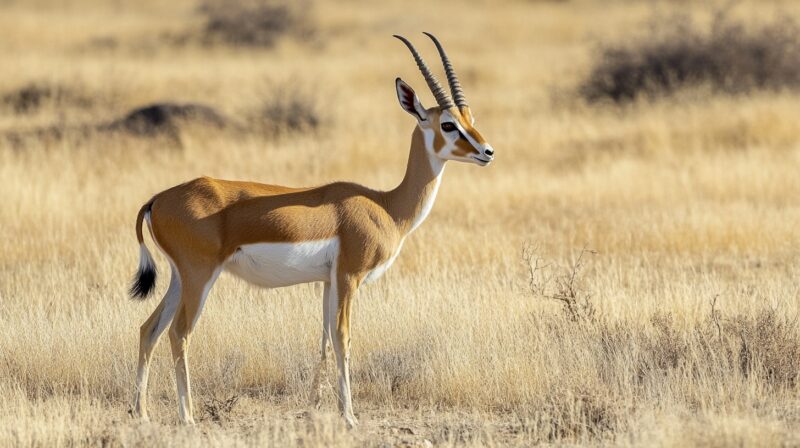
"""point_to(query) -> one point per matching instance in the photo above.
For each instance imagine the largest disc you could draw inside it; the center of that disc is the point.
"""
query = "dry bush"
(665, 348)
(579, 412)
(392, 371)
(256, 23)
(289, 109)
(649, 354)
(32, 96)
(219, 394)
(765, 344)
(729, 57)
(768, 346)
(560, 283)
(220, 409)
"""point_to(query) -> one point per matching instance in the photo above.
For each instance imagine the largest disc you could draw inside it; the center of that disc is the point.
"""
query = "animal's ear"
(409, 100)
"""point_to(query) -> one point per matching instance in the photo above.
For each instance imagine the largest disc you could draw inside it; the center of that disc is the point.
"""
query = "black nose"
(489, 152)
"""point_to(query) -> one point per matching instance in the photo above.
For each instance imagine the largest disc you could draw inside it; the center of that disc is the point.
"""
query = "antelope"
(342, 234)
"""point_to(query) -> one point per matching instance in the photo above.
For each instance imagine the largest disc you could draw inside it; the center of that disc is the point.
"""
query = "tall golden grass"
(691, 204)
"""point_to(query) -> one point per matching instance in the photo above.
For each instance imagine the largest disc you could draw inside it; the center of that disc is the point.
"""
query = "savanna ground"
(680, 327)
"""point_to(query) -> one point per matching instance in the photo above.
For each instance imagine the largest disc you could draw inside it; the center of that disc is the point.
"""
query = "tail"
(144, 281)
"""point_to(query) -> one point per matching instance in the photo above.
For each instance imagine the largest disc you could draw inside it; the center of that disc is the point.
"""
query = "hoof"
(351, 421)
(188, 422)
(138, 414)
(316, 399)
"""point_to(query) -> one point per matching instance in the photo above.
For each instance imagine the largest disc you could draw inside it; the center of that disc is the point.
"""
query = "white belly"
(274, 265)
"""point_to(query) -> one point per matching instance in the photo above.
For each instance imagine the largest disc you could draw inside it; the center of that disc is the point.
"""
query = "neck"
(412, 200)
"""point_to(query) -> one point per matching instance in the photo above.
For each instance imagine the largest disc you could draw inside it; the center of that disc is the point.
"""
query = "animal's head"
(449, 128)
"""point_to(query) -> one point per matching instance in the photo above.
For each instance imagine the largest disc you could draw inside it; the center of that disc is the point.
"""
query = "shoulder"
(349, 192)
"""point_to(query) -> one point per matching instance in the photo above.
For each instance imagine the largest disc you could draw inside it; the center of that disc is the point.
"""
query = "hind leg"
(149, 333)
(194, 291)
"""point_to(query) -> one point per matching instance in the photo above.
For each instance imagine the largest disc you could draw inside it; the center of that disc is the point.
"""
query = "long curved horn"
(438, 91)
(452, 79)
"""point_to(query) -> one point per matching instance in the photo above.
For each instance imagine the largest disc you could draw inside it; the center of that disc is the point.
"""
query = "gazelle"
(342, 234)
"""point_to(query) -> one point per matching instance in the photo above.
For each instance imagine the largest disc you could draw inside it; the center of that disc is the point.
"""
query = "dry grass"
(690, 203)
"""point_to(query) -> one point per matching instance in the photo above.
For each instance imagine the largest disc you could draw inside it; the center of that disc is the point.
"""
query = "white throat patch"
(437, 167)
(437, 163)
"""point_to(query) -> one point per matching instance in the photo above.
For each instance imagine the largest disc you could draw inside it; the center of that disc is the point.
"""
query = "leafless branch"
(547, 282)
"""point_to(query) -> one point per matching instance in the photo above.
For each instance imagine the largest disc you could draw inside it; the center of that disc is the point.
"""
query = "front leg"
(316, 386)
(343, 290)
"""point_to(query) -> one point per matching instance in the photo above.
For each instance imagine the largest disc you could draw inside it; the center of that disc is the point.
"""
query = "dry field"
(680, 329)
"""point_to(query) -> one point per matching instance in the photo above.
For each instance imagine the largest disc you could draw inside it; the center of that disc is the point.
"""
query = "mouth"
(481, 162)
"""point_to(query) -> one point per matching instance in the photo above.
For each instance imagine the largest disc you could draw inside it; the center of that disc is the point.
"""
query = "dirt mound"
(161, 118)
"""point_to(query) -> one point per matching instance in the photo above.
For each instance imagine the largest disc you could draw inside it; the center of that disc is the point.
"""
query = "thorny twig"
(218, 409)
(565, 287)
(715, 313)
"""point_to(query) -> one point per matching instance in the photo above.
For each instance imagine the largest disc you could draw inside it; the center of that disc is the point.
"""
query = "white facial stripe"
(447, 117)
(469, 138)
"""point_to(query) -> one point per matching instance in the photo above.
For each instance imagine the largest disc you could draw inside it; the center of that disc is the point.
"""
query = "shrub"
(666, 348)
(560, 284)
(728, 57)
(289, 109)
(255, 23)
(33, 96)
(769, 346)
(574, 413)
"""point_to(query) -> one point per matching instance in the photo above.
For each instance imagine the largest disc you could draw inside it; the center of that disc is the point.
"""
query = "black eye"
(448, 127)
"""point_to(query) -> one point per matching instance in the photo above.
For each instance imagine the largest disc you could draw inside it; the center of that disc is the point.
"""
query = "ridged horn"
(452, 79)
(438, 91)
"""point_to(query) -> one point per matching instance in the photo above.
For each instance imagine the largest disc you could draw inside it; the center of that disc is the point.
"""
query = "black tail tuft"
(144, 282)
